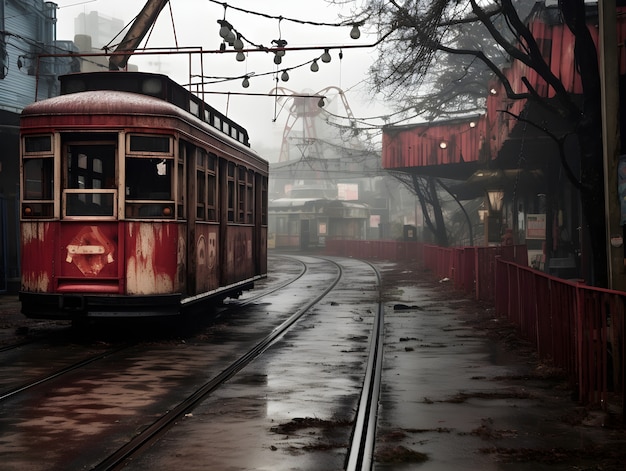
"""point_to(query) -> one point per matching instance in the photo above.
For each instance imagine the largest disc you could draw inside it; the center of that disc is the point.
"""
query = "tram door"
(305, 234)
(88, 238)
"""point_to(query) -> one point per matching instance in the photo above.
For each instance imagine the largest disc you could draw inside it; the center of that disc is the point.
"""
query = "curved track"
(104, 413)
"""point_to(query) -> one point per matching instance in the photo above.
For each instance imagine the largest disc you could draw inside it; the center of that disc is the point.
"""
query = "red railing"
(579, 328)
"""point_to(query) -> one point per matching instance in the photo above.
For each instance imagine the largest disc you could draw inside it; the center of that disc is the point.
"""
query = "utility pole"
(611, 143)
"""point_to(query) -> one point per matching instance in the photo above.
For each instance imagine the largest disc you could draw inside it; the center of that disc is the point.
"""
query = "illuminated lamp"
(28, 211)
(496, 198)
(443, 144)
(167, 211)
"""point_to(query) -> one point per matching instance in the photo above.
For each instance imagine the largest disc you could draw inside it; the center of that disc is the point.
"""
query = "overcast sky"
(195, 25)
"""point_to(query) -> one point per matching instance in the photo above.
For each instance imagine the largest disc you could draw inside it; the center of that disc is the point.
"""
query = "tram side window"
(211, 188)
(250, 197)
(38, 187)
(241, 194)
(201, 185)
(149, 176)
(231, 192)
(264, 198)
(38, 176)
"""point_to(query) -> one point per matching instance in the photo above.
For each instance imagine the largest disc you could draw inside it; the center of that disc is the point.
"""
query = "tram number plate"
(85, 249)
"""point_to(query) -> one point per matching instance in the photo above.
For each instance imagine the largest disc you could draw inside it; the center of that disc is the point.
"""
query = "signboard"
(536, 226)
(347, 191)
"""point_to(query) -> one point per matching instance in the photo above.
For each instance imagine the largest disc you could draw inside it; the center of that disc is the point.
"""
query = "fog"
(193, 24)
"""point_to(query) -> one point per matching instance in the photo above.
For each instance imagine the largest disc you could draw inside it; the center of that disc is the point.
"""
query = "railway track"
(306, 290)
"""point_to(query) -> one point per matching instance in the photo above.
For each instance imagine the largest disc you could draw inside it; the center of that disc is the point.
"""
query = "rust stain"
(142, 274)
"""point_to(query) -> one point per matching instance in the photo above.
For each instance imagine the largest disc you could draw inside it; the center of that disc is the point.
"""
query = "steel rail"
(61, 372)
(151, 433)
(363, 440)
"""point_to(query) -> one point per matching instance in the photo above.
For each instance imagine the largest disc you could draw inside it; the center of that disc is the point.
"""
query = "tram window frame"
(139, 144)
(38, 176)
(152, 161)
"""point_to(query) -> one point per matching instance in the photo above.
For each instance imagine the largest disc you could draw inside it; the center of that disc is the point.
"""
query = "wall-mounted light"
(493, 91)
(472, 124)
(443, 144)
(482, 214)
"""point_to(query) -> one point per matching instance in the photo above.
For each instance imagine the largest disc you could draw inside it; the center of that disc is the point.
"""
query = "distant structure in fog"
(305, 128)
(101, 29)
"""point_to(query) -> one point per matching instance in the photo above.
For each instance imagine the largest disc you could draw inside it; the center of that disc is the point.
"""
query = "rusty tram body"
(137, 199)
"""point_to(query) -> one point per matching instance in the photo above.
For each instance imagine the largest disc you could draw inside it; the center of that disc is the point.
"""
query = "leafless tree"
(438, 55)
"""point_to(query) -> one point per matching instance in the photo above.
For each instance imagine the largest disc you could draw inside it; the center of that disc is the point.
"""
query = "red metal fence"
(581, 329)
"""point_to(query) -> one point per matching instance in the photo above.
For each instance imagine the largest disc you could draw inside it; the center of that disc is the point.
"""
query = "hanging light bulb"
(355, 33)
(280, 43)
(326, 56)
(245, 83)
(277, 59)
(225, 28)
(284, 76)
(230, 37)
(314, 66)
(240, 57)
(321, 103)
(238, 44)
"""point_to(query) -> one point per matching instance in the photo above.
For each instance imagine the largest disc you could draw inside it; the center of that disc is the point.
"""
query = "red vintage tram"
(137, 199)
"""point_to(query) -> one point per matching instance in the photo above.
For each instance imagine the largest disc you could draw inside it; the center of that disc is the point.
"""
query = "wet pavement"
(460, 392)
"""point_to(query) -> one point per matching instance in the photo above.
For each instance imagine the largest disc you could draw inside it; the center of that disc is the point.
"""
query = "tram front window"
(149, 180)
(90, 184)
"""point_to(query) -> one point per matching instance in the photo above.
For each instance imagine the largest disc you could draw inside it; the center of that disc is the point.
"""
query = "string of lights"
(293, 20)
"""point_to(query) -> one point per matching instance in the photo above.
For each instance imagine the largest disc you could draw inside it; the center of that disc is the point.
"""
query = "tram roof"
(127, 106)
